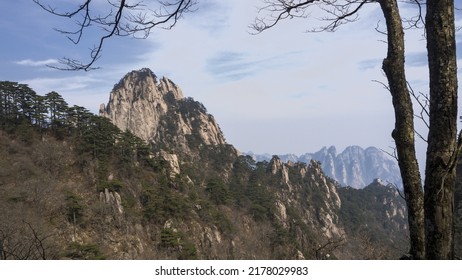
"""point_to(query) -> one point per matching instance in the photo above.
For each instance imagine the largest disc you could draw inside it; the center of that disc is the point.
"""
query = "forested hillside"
(74, 186)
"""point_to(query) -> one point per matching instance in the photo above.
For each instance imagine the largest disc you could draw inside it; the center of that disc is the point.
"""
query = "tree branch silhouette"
(120, 18)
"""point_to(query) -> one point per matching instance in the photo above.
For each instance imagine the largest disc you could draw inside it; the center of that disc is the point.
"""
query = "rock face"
(305, 189)
(157, 112)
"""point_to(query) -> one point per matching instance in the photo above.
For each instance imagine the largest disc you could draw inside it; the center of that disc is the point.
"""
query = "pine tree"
(78, 118)
(57, 110)
(25, 102)
(39, 115)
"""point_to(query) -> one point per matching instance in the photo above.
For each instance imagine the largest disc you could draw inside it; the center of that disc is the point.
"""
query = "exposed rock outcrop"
(157, 112)
(308, 184)
(113, 199)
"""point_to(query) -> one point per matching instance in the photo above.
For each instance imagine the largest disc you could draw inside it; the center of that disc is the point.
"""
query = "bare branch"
(38, 242)
(377, 28)
(385, 86)
(330, 245)
(417, 21)
(23, 242)
(399, 192)
(420, 136)
(393, 155)
(341, 14)
(424, 106)
(338, 12)
(279, 10)
(120, 19)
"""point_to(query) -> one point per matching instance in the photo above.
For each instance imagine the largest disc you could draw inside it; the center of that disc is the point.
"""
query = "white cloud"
(37, 63)
(84, 90)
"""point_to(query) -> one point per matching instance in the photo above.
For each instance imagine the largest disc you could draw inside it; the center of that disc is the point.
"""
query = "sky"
(282, 91)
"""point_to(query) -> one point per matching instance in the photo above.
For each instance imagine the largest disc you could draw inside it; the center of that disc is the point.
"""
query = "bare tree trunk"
(441, 151)
(403, 134)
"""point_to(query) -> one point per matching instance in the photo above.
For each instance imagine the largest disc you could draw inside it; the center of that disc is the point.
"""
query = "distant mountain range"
(355, 167)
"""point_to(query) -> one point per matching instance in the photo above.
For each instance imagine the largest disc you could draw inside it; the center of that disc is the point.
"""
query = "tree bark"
(403, 134)
(458, 212)
(441, 151)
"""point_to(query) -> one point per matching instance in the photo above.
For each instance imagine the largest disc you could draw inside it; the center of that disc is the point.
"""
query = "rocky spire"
(156, 111)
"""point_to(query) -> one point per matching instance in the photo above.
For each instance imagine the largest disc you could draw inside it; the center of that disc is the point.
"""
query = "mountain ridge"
(354, 166)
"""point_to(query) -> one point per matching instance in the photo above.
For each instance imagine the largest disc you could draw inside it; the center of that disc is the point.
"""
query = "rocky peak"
(145, 84)
(166, 85)
(157, 112)
(277, 166)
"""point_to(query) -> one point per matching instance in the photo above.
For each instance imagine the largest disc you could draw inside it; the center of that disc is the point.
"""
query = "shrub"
(78, 251)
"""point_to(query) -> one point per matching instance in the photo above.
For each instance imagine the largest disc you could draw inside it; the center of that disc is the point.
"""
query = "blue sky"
(282, 91)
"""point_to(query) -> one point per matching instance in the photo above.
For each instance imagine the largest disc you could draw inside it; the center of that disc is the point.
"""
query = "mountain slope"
(77, 186)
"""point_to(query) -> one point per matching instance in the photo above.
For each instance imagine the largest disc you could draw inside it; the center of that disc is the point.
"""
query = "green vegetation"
(74, 208)
(162, 202)
(78, 251)
(218, 192)
(375, 215)
(176, 242)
